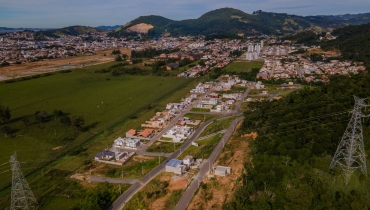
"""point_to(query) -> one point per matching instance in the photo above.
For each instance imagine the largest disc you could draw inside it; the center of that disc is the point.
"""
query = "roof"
(146, 132)
(105, 153)
(131, 132)
(174, 163)
(188, 157)
(222, 168)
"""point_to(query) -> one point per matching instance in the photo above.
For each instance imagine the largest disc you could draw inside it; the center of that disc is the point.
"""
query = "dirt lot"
(219, 190)
(176, 183)
(28, 69)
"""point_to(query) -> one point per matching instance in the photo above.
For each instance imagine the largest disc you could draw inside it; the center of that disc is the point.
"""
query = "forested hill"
(297, 138)
(352, 41)
(351, 19)
(71, 30)
(231, 21)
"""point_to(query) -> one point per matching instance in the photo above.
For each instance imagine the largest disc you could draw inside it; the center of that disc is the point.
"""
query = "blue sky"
(61, 13)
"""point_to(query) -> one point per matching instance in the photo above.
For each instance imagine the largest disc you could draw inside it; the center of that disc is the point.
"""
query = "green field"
(110, 106)
(200, 110)
(204, 149)
(243, 66)
(165, 147)
(217, 126)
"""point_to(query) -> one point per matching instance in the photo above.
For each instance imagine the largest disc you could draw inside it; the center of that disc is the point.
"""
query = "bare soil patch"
(219, 190)
(40, 67)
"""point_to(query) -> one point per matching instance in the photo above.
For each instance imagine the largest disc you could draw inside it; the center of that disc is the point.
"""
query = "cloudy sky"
(61, 13)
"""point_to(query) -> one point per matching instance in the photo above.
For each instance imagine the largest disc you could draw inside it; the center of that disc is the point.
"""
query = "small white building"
(188, 160)
(175, 166)
(126, 142)
(222, 170)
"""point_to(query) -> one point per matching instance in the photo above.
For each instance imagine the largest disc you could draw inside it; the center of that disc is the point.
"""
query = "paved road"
(111, 180)
(245, 94)
(271, 97)
(126, 196)
(188, 195)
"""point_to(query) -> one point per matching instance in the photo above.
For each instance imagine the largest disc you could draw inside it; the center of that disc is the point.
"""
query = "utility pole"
(21, 195)
(350, 154)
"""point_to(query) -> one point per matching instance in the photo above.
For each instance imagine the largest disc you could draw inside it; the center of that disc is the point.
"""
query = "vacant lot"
(163, 192)
(217, 191)
(243, 66)
(40, 67)
(103, 100)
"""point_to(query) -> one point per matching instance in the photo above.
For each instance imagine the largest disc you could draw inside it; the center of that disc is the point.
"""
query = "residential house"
(106, 154)
(131, 133)
(146, 133)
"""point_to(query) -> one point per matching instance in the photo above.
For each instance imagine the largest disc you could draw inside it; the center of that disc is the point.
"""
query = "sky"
(62, 13)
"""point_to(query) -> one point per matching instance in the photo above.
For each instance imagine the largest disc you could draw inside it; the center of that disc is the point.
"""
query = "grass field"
(165, 147)
(200, 110)
(243, 66)
(107, 103)
(204, 149)
(202, 117)
(217, 126)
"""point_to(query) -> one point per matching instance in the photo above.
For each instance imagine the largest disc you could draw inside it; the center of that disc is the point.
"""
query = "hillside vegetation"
(352, 41)
(70, 30)
(297, 138)
(232, 21)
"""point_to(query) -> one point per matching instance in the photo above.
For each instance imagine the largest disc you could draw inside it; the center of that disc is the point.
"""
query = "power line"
(305, 119)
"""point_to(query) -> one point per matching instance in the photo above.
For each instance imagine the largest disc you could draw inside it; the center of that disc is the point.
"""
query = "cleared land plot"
(135, 168)
(103, 103)
(243, 66)
(200, 110)
(217, 191)
(217, 126)
(202, 117)
(204, 149)
(164, 147)
(163, 192)
(40, 67)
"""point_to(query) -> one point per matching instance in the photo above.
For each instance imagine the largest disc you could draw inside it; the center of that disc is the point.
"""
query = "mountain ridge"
(234, 21)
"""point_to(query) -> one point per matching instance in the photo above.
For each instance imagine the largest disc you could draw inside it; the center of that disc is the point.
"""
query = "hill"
(109, 28)
(351, 19)
(297, 138)
(352, 41)
(70, 30)
(230, 21)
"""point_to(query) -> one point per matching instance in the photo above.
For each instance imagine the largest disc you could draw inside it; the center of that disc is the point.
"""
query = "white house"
(222, 170)
(126, 142)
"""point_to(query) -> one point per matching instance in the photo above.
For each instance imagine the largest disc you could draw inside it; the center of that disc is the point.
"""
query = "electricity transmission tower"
(350, 154)
(22, 196)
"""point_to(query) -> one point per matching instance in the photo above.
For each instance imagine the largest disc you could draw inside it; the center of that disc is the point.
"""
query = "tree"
(57, 113)
(26, 121)
(65, 120)
(4, 114)
(118, 58)
(41, 115)
(78, 123)
(6, 130)
(124, 56)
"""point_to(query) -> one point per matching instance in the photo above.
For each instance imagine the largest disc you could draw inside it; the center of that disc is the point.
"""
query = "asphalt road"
(188, 195)
(281, 92)
(126, 196)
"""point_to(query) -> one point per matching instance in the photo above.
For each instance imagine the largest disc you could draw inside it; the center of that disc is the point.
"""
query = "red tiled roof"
(131, 132)
(146, 132)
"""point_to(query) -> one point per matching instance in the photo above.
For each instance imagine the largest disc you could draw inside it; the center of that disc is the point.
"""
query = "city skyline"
(56, 14)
